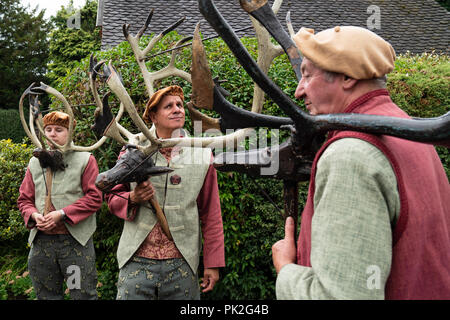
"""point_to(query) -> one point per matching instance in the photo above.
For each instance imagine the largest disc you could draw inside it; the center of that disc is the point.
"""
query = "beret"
(57, 118)
(157, 96)
(353, 51)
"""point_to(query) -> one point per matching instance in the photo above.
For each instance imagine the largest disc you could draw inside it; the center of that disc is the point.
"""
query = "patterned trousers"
(150, 279)
(54, 259)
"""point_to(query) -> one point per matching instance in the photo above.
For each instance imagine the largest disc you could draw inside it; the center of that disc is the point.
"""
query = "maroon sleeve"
(25, 202)
(92, 199)
(208, 203)
(118, 202)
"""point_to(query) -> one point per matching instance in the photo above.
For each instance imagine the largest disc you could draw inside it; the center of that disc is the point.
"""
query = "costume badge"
(175, 179)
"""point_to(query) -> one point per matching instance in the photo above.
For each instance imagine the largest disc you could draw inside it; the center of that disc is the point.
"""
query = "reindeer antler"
(33, 91)
(150, 78)
(30, 133)
(207, 94)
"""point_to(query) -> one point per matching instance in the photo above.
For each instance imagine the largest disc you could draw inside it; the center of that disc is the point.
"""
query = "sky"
(51, 6)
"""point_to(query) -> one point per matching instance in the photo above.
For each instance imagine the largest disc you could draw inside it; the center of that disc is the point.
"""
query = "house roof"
(414, 25)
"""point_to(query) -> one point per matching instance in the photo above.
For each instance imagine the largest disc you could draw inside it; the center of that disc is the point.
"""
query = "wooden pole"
(161, 217)
(290, 193)
(48, 196)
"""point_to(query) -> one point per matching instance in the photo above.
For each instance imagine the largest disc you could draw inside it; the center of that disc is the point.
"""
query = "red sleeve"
(208, 203)
(92, 199)
(118, 203)
(25, 202)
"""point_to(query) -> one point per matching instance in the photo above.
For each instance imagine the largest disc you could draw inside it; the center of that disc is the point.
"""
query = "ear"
(348, 83)
(152, 115)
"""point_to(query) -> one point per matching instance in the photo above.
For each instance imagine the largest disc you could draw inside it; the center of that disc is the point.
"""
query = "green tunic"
(356, 205)
(66, 189)
(178, 201)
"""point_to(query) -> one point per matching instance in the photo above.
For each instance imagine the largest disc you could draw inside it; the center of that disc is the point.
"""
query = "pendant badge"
(175, 179)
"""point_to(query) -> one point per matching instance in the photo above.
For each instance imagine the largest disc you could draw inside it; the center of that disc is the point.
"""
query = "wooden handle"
(161, 217)
(290, 195)
(48, 197)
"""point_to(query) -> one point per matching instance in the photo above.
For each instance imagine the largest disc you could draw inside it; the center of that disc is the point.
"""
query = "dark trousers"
(150, 279)
(54, 259)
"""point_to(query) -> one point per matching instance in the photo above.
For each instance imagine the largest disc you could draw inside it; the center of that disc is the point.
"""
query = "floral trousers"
(59, 258)
(150, 279)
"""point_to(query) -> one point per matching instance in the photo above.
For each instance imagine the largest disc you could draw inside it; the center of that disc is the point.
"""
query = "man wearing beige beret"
(376, 224)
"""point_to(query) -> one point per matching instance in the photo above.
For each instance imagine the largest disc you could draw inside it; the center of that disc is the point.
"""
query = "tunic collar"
(364, 98)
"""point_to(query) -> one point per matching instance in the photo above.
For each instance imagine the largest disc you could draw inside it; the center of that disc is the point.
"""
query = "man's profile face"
(319, 93)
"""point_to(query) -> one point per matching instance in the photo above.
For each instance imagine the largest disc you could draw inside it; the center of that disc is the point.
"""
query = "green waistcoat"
(66, 189)
(179, 203)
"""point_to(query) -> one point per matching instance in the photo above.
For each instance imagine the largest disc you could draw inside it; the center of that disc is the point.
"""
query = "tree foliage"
(73, 38)
(444, 3)
(23, 50)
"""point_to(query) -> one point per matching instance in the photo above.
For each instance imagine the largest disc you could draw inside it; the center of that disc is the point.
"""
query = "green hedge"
(251, 223)
(14, 284)
(10, 125)
(13, 162)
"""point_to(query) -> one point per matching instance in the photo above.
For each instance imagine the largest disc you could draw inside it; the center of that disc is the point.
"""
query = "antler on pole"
(69, 145)
(150, 78)
(267, 52)
(119, 90)
(206, 94)
(215, 19)
(30, 133)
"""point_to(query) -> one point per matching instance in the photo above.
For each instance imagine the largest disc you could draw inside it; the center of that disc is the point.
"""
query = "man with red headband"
(152, 265)
(376, 224)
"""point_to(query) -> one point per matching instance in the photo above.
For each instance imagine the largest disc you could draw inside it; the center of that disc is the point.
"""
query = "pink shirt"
(77, 211)
(208, 204)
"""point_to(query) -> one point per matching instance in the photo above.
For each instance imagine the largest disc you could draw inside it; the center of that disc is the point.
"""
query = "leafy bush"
(419, 85)
(13, 162)
(15, 286)
(251, 223)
